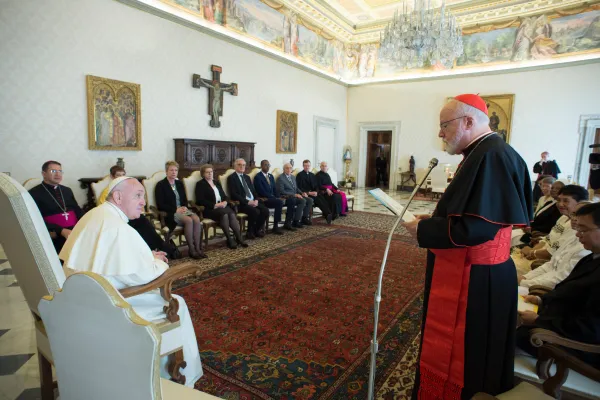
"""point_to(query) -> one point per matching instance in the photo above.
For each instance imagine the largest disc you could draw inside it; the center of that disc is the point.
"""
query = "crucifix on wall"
(215, 93)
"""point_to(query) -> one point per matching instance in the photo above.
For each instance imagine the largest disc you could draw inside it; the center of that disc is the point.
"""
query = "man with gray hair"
(242, 190)
(102, 242)
(287, 186)
(470, 300)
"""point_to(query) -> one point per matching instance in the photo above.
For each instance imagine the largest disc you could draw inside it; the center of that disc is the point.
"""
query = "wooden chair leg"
(205, 229)
(46, 383)
(175, 364)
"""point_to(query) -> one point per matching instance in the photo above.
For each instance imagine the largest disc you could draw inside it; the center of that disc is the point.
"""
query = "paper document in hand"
(391, 204)
(523, 306)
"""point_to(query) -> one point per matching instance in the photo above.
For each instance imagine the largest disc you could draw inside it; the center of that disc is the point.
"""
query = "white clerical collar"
(118, 210)
(479, 137)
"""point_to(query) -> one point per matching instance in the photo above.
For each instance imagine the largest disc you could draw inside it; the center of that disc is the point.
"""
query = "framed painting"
(500, 111)
(114, 114)
(287, 132)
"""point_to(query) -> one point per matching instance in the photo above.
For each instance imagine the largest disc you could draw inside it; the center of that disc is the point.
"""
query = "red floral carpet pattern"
(296, 322)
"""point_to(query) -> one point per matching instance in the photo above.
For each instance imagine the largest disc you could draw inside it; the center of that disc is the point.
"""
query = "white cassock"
(102, 242)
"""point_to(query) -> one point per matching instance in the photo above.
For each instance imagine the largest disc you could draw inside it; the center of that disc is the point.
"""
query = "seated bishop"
(103, 243)
(56, 204)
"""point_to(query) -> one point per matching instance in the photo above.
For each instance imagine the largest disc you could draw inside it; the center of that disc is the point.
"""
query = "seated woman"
(325, 183)
(171, 198)
(211, 196)
(545, 216)
(142, 225)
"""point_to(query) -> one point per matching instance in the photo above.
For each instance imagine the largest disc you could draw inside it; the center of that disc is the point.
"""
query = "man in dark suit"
(287, 186)
(381, 167)
(264, 183)
(242, 190)
(307, 183)
(544, 167)
(572, 309)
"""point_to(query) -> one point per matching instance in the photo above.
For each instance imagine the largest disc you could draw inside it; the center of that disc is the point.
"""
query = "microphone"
(374, 344)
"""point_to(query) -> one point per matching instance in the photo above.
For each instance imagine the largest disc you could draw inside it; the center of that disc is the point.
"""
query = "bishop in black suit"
(307, 182)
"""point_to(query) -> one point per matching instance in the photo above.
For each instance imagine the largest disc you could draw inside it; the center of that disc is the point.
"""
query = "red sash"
(64, 221)
(442, 362)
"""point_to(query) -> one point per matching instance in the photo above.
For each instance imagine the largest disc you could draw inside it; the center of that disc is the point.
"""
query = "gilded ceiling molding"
(273, 4)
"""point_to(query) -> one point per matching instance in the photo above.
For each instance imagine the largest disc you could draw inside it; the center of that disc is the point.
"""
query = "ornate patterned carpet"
(291, 317)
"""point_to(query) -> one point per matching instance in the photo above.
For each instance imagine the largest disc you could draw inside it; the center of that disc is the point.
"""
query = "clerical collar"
(474, 142)
(118, 210)
(51, 186)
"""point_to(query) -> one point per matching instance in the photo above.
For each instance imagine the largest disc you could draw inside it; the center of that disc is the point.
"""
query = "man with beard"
(470, 302)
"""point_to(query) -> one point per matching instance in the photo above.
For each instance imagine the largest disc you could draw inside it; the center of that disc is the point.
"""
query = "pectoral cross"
(215, 93)
(66, 215)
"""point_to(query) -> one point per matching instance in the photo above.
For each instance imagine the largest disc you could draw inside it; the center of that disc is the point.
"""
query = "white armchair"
(103, 349)
(31, 183)
(36, 266)
(98, 187)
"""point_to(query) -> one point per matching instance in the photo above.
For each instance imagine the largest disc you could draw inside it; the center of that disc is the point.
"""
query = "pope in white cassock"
(102, 242)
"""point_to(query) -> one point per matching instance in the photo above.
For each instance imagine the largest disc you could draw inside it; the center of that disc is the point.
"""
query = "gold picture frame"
(500, 111)
(287, 132)
(114, 114)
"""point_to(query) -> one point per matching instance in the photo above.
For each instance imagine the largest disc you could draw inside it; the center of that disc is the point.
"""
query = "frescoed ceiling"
(340, 38)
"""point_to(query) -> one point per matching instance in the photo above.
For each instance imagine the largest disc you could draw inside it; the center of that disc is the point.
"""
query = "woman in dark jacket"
(211, 196)
(171, 198)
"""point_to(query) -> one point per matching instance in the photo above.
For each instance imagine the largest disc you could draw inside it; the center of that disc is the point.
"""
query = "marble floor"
(19, 377)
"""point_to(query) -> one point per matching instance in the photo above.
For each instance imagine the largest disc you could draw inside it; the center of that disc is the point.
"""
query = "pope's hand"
(160, 255)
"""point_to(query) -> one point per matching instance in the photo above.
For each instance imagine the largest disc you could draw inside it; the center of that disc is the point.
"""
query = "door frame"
(364, 128)
(587, 134)
(334, 124)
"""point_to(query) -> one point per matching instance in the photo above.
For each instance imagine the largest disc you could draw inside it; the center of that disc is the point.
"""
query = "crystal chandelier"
(423, 34)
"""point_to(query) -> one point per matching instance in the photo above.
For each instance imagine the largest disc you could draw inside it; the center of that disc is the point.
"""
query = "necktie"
(268, 180)
(245, 185)
(291, 181)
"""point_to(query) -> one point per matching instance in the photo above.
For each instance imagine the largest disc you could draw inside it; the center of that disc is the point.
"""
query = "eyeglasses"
(586, 231)
(444, 124)
(56, 171)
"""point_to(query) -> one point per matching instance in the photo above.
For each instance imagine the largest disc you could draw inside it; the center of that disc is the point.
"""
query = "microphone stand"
(374, 343)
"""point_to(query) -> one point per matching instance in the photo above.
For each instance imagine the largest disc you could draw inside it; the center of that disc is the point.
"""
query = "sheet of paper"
(523, 291)
(526, 306)
(391, 204)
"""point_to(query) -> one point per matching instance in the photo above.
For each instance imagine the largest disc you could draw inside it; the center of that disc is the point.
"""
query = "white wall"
(548, 104)
(48, 47)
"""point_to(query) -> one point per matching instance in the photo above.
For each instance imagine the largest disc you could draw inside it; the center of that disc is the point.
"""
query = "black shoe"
(306, 221)
(343, 215)
(276, 231)
(250, 235)
(231, 243)
(329, 216)
(298, 224)
(260, 233)
(289, 227)
(334, 217)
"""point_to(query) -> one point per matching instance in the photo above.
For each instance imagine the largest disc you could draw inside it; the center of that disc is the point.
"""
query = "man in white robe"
(102, 242)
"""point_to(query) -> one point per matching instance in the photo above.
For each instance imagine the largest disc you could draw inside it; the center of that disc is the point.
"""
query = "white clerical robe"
(102, 242)
(559, 267)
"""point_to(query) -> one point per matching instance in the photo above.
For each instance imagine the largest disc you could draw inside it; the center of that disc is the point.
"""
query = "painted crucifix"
(215, 93)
